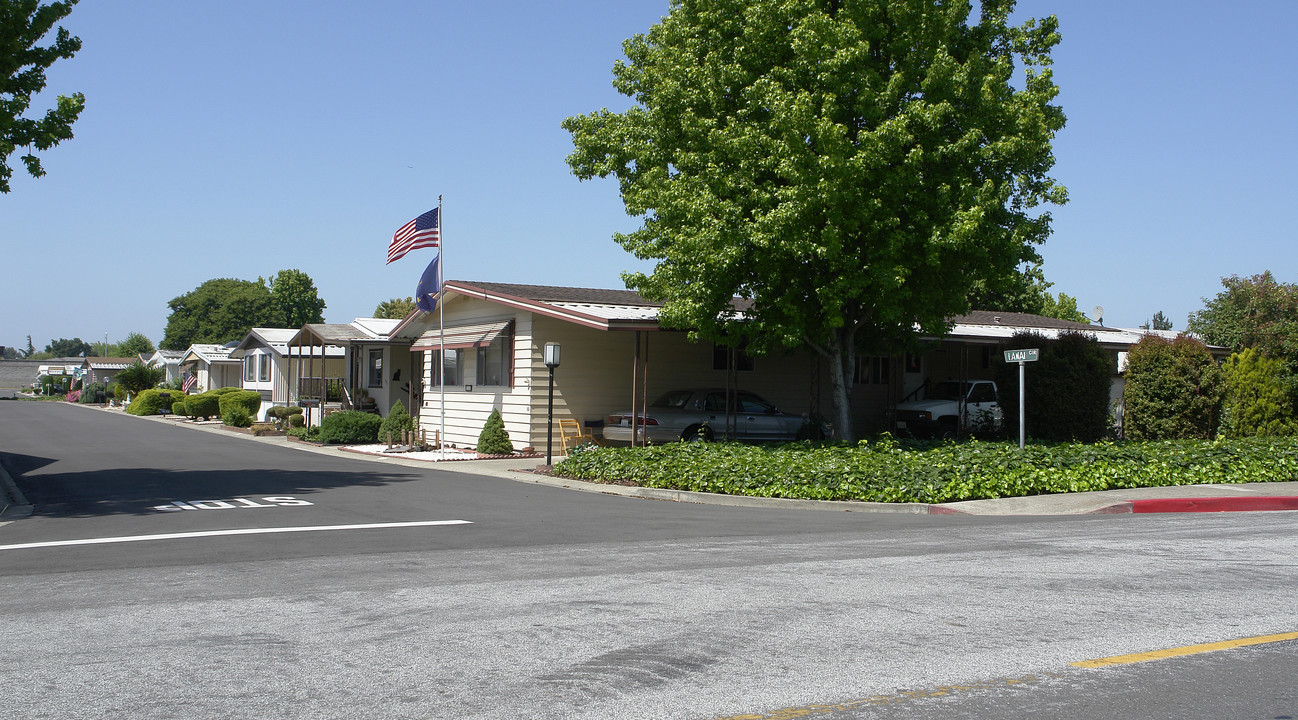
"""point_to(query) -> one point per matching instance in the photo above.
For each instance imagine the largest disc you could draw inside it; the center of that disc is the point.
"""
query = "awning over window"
(461, 336)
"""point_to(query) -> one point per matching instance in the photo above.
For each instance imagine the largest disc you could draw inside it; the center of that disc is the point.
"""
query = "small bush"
(236, 416)
(494, 440)
(264, 429)
(297, 421)
(138, 377)
(119, 391)
(396, 421)
(350, 427)
(203, 405)
(1259, 397)
(94, 394)
(249, 400)
(281, 414)
(151, 402)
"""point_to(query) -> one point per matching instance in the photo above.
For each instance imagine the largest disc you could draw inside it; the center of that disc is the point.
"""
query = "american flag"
(190, 379)
(423, 232)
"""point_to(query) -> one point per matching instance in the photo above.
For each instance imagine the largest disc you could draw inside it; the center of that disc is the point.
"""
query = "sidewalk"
(1182, 498)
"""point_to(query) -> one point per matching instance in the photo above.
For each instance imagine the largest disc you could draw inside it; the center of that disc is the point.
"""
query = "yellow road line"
(1187, 650)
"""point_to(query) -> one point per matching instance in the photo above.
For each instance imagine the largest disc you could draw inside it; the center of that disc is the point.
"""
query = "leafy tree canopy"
(1026, 290)
(1256, 312)
(135, 344)
(855, 168)
(69, 348)
(218, 311)
(295, 299)
(395, 309)
(23, 23)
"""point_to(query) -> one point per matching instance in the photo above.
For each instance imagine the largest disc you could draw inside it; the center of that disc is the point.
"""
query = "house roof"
(276, 339)
(596, 308)
(360, 330)
(108, 363)
(209, 353)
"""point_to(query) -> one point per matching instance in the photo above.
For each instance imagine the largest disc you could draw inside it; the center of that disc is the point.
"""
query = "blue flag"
(430, 285)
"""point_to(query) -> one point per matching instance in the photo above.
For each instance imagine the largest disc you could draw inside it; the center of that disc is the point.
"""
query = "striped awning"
(461, 336)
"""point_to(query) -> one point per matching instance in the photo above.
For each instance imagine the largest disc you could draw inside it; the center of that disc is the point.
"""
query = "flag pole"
(441, 323)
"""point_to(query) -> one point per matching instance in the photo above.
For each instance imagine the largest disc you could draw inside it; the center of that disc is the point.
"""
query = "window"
(721, 358)
(249, 368)
(872, 370)
(263, 368)
(493, 361)
(450, 365)
(375, 372)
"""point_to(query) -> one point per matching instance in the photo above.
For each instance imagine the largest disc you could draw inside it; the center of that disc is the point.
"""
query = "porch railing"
(331, 388)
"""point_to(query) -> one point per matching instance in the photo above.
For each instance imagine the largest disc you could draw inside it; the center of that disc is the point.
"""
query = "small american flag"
(188, 385)
(423, 232)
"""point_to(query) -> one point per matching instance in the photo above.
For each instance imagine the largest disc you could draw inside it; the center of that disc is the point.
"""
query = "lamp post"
(552, 362)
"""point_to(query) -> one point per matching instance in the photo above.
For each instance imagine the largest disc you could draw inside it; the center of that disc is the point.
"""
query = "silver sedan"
(700, 415)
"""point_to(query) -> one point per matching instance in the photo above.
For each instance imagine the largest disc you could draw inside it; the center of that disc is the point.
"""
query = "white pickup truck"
(950, 407)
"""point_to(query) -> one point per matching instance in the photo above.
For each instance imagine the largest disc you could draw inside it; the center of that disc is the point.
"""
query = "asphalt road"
(559, 604)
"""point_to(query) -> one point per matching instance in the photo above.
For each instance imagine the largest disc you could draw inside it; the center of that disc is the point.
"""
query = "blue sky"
(239, 138)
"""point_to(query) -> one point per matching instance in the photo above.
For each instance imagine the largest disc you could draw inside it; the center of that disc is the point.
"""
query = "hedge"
(350, 427)
(151, 402)
(888, 471)
(249, 400)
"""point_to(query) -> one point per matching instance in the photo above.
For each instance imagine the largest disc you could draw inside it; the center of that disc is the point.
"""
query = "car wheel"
(698, 433)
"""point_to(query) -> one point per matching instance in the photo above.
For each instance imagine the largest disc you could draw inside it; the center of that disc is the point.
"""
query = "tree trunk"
(842, 355)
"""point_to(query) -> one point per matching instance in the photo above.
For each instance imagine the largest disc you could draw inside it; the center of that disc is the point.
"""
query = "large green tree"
(851, 167)
(69, 348)
(395, 309)
(23, 62)
(218, 311)
(1257, 312)
(295, 299)
(135, 344)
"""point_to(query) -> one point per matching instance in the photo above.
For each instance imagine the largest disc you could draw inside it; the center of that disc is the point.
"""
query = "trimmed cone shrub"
(350, 427)
(494, 440)
(396, 421)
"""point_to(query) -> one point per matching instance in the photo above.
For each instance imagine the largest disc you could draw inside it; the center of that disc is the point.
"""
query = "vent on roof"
(997, 318)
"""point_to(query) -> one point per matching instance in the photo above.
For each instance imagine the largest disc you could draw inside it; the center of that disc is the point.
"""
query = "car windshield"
(674, 399)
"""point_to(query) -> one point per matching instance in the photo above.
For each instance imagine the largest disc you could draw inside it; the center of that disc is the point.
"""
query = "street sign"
(1025, 355)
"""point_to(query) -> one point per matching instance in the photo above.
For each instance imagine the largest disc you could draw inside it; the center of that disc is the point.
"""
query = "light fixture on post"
(552, 362)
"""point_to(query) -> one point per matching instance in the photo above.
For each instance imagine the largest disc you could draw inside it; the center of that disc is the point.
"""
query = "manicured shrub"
(888, 471)
(350, 427)
(281, 415)
(236, 415)
(298, 420)
(151, 402)
(494, 440)
(178, 405)
(94, 394)
(1173, 391)
(249, 400)
(396, 421)
(1259, 396)
(204, 405)
(1066, 389)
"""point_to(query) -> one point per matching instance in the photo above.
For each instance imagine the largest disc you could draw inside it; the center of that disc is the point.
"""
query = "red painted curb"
(1214, 504)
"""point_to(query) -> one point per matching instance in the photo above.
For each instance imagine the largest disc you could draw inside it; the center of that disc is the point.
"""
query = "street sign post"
(1022, 357)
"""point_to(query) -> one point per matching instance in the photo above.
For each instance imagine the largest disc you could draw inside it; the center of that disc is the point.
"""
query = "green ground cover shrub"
(350, 427)
(888, 471)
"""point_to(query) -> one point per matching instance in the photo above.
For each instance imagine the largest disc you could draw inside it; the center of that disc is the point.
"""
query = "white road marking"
(220, 533)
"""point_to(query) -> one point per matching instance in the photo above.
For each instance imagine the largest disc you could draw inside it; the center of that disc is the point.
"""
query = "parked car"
(950, 405)
(700, 415)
